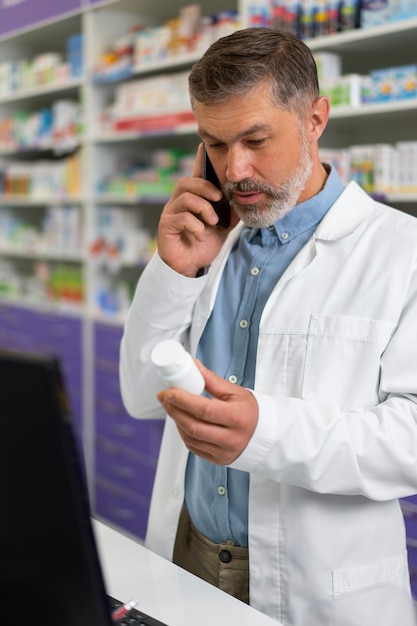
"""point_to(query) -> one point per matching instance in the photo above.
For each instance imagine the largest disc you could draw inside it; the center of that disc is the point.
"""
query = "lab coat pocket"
(343, 355)
(375, 594)
(388, 572)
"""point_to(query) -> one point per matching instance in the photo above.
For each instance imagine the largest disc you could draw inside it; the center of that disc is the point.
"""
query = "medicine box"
(343, 91)
(329, 65)
(406, 81)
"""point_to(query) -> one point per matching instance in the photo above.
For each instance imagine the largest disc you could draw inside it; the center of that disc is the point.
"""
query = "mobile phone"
(222, 206)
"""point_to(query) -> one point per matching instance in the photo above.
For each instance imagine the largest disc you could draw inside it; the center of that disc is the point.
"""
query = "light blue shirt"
(217, 497)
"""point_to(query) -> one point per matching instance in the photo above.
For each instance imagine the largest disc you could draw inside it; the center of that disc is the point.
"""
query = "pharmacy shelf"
(394, 33)
(118, 137)
(385, 122)
(24, 201)
(51, 147)
(364, 50)
(402, 197)
(169, 63)
(150, 67)
(55, 89)
(66, 256)
(44, 307)
(392, 108)
(133, 200)
(387, 35)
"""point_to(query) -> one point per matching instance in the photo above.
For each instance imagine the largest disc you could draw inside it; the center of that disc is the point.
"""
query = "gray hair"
(234, 65)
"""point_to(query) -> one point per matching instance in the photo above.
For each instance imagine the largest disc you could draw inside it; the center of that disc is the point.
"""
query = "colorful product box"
(344, 91)
(406, 81)
(384, 159)
(407, 166)
(383, 85)
(339, 159)
(401, 9)
(392, 83)
(362, 166)
(374, 13)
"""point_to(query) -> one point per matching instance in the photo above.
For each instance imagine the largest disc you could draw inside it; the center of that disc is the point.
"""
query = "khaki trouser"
(224, 566)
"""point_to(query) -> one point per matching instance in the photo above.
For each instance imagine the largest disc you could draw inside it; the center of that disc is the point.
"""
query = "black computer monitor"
(49, 569)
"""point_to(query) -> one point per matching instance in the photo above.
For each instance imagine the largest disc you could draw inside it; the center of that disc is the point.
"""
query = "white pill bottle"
(176, 367)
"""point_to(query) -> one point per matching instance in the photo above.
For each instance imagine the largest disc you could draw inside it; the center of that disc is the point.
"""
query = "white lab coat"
(336, 442)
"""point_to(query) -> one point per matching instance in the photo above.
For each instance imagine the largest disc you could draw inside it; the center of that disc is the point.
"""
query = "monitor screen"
(49, 570)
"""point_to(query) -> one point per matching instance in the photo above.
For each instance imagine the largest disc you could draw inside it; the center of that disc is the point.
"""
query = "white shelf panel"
(169, 63)
(130, 200)
(116, 320)
(369, 37)
(111, 137)
(53, 89)
(380, 108)
(401, 197)
(6, 200)
(47, 255)
(50, 147)
(43, 306)
(160, 66)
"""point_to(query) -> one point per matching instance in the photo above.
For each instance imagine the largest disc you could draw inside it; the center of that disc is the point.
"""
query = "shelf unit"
(121, 453)
(363, 51)
(390, 45)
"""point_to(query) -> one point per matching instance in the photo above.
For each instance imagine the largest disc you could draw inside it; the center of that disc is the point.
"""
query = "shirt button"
(232, 379)
(254, 271)
(243, 323)
(284, 235)
(225, 556)
(221, 490)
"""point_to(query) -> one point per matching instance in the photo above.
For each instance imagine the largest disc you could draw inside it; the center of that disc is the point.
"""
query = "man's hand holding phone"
(189, 237)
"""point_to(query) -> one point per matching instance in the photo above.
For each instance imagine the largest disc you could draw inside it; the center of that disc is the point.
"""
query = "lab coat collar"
(348, 212)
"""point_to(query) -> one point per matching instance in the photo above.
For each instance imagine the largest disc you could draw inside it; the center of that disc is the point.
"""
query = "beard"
(279, 200)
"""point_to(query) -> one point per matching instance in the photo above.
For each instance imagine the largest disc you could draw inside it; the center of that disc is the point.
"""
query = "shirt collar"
(308, 213)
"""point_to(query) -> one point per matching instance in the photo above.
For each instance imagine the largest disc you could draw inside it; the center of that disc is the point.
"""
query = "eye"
(215, 145)
(256, 143)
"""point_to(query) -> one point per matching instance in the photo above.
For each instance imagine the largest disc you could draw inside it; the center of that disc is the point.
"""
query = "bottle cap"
(168, 356)
(176, 367)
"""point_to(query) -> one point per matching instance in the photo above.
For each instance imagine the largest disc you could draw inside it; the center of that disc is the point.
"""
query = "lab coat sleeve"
(150, 320)
(369, 451)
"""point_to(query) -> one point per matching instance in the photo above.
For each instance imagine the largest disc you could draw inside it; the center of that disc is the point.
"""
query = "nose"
(238, 165)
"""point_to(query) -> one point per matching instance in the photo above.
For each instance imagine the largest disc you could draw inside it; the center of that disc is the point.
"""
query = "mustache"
(248, 185)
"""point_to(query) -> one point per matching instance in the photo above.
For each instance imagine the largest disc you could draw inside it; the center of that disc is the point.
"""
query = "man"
(304, 315)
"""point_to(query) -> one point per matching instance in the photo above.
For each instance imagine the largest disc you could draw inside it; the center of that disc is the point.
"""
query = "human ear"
(318, 117)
